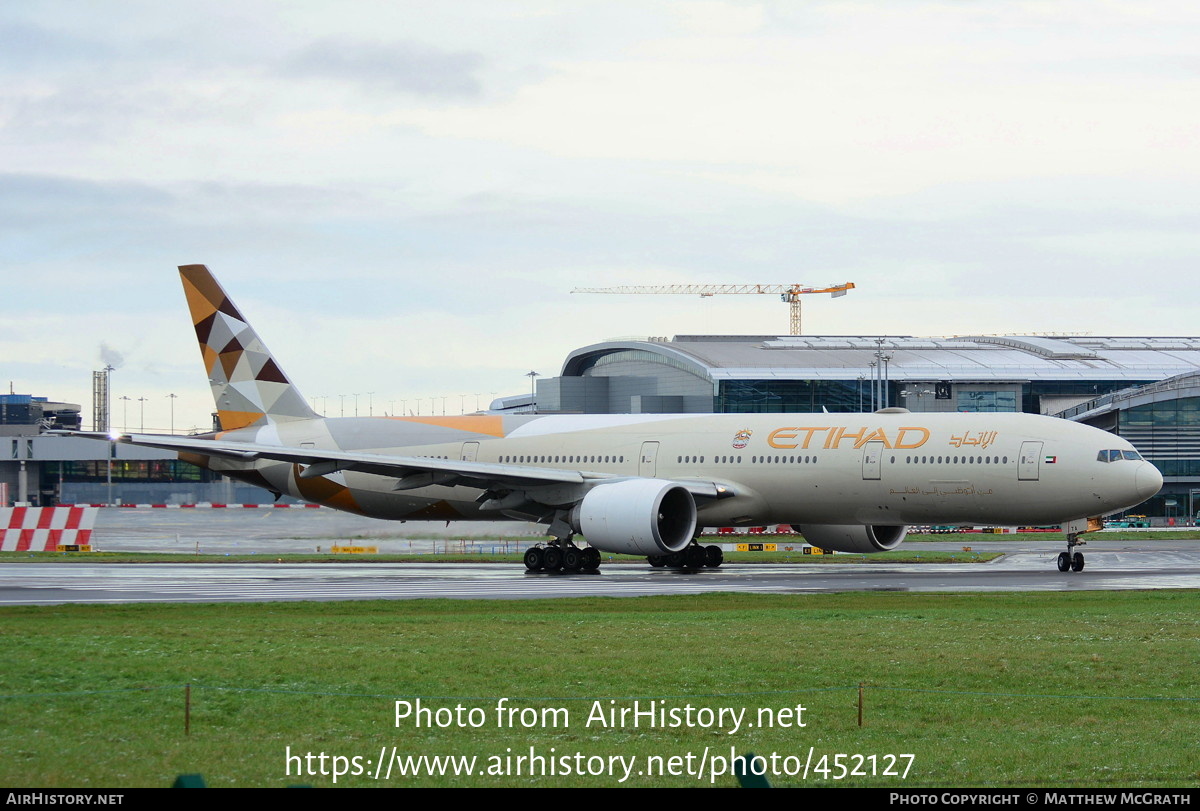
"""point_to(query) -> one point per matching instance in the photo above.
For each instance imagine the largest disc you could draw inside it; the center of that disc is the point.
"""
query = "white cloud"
(971, 166)
(719, 18)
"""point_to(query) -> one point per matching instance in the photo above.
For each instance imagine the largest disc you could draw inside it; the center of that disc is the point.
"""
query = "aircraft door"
(648, 462)
(872, 459)
(1029, 463)
(470, 451)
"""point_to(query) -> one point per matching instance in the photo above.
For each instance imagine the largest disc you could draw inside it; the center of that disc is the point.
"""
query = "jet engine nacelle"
(637, 517)
(863, 538)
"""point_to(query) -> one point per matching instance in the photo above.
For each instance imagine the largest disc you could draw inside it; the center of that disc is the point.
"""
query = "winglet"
(248, 386)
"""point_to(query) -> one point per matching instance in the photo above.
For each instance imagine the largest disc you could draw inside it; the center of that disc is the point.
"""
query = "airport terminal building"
(803, 373)
(44, 469)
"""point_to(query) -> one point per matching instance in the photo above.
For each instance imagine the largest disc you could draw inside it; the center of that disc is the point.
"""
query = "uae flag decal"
(1050, 460)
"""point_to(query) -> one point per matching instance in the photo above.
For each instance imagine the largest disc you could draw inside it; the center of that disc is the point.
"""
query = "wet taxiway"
(1157, 566)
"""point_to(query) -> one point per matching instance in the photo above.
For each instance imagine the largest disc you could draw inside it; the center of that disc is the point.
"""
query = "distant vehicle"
(1128, 522)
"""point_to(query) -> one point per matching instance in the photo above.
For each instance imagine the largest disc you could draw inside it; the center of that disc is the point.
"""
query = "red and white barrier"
(206, 506)
(43, 529)
(778, 529)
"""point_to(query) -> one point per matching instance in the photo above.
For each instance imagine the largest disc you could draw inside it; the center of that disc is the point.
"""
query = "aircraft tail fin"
(248, 386)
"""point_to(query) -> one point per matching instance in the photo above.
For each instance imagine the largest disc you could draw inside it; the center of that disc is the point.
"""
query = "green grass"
(1056, 689)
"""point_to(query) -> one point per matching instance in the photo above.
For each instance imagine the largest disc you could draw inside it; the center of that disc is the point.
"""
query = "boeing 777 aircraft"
(647, 484)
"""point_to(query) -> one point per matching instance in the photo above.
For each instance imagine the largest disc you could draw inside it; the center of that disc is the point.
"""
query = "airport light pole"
(172, 398)
(887, 395)
(142, 408)
(881, 364)
(125, 413)
(533, 376)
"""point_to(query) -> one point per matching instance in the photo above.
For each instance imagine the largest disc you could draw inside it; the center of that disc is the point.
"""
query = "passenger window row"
(560, 460)
(954, 460)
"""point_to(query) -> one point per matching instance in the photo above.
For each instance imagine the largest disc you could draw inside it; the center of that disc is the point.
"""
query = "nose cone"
(1148, 481)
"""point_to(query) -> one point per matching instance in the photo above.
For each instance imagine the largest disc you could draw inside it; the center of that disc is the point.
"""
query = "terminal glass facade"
(1167, 433)
(987, 401)
(795, 396)
(128, 470)
(1032, 393)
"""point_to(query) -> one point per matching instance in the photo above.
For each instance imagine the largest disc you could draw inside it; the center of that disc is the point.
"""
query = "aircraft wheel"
(674, 560)
(534, 559)
(713, 556)
(591, 558)
(1064, 562)
(657, 561)
(1077, 562)
(695, 557)
(552, 558)
(572, 559)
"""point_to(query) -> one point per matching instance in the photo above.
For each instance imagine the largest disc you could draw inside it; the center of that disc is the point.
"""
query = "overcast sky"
(401, 195)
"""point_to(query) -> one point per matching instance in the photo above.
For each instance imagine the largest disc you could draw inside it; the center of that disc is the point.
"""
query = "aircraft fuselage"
(876, 468)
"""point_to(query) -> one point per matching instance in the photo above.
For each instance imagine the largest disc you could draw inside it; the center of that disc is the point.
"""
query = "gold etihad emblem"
(741, 439)
(984, 439)
(833, 436)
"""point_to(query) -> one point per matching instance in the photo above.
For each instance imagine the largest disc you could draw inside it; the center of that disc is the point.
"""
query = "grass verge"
(1056, 689)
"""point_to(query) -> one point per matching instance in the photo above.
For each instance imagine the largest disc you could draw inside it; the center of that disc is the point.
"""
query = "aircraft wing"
(101, 435)
(410, 471)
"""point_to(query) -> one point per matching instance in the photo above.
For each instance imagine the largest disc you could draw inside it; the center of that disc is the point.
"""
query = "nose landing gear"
(1070, 561)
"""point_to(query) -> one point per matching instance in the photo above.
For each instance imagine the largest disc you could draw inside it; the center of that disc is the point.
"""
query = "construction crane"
(789, 293)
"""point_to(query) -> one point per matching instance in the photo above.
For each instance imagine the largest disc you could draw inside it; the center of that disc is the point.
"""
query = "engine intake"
(637, 517)
(862, 538)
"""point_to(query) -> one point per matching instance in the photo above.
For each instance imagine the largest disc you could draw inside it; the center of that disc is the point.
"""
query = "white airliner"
(647, 484)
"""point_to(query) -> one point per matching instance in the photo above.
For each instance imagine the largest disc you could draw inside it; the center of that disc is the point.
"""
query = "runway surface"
(1112, 566)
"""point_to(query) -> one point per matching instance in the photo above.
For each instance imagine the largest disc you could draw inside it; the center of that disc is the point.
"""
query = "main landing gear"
(564, 556)
(1069, 561)
(693, 556)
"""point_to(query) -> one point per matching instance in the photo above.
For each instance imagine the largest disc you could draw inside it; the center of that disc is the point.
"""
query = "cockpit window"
(1114, 455)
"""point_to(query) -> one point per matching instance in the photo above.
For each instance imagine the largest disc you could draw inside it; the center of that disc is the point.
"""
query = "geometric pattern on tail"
(248, 386)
